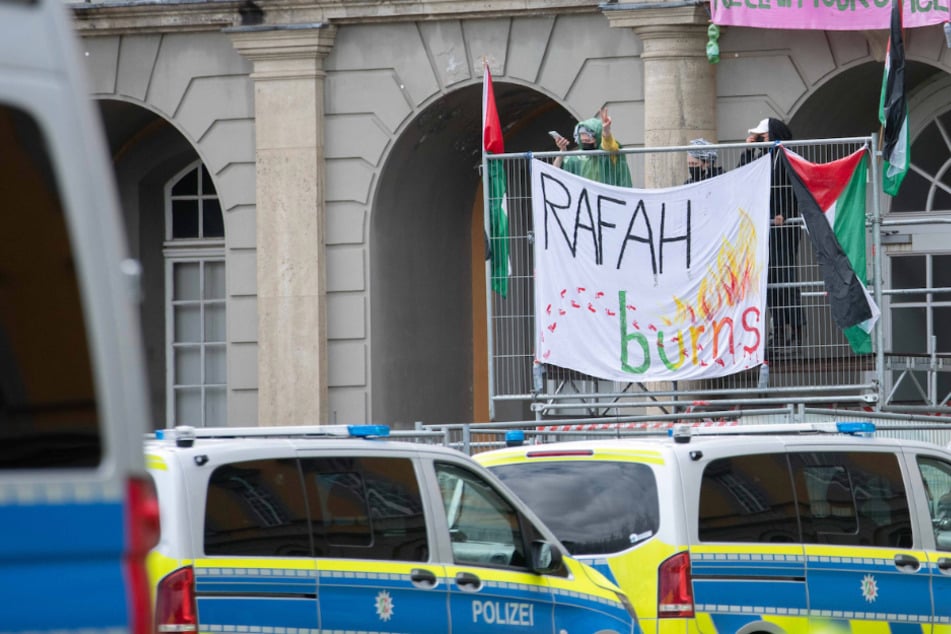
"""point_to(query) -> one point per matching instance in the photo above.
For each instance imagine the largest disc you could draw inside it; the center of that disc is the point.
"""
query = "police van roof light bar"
(514, 438)
(683, 432)
(304, 431)
(855, 427)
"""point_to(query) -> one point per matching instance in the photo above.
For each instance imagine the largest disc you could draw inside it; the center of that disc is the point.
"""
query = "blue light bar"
(366, 431)
(514, 438)
(855, 427)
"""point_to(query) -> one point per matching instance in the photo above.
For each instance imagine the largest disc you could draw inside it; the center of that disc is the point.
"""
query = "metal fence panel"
(472, 438)
(816, 367)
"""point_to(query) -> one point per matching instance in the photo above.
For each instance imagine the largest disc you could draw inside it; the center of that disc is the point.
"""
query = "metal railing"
(817, 368)
(471, 438)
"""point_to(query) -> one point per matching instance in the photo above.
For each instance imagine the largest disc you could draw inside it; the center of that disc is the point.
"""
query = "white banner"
(651, 284)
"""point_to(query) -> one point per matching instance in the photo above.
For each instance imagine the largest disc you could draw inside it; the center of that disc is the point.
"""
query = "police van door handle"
(907, 561)
(468, 581)
(423, 578)
(944, 564)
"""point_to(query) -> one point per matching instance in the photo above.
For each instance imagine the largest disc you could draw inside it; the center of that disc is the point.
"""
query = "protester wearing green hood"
(591, 134)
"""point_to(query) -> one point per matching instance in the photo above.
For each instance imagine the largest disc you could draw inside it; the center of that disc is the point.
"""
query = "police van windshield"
(596, 507)
(48, 412)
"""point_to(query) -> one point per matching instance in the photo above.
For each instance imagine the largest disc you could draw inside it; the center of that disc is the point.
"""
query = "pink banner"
(826, 15)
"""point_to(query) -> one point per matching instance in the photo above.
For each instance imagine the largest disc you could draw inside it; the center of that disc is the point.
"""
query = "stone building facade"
(300, 179)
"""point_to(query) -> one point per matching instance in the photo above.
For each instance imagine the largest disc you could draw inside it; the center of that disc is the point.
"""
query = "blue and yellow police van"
(765, 529)
(76, 514)
(299, 530)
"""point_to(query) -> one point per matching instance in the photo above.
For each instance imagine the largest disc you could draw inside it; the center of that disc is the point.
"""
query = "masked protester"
(595, 134)
(783, 300)
(701, 162)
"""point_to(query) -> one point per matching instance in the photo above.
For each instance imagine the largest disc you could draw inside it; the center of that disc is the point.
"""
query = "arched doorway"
(847, 104)
(427, 256)
(920, 323)
(175, 228)
(918, 256)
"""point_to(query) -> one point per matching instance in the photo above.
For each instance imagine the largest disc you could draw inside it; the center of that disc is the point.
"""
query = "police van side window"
(365, 508)
(485, 529)
(852, 498)
(936, 474)
(48, 412)
(257, 508)
(748, 499)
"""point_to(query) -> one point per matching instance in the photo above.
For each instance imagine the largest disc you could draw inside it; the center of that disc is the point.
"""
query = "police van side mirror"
(545, 558)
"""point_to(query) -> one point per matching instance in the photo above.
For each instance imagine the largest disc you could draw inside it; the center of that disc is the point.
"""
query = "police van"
(338, 529)
(812, 527)
(76, 515)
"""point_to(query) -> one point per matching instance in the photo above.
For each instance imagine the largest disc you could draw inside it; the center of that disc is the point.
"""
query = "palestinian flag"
(831, 199)
(492, 143)
(893, 109)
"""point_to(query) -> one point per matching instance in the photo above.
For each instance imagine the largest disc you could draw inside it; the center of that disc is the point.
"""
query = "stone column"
(288, 80)
(679, 83)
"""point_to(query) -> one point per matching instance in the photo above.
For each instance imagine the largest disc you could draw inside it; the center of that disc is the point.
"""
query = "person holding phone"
(595, 134)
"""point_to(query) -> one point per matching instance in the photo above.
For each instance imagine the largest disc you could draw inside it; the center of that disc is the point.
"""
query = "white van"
(753, 529)
(76, 514)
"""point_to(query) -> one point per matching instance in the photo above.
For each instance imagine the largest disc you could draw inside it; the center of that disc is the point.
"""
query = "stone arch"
(425, 260)
(926, 187)
(146, 151)
(825, 83)
(166, 99)
(845, 104)
(385, 82)
(199, 84)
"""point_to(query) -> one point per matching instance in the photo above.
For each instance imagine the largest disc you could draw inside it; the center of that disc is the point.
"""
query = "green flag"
(893, 109)
(492, 143)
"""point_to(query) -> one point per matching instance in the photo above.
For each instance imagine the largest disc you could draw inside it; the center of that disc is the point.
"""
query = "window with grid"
(195, 306)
